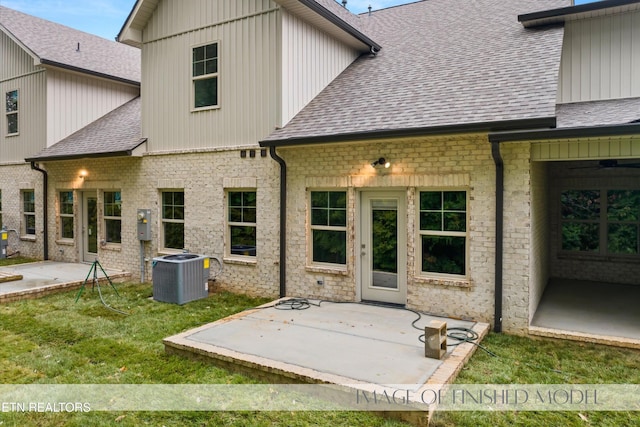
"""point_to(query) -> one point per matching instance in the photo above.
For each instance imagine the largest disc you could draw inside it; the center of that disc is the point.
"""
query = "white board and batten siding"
(601, 59)
(247, 35)
(18, 72)
(75, 100)
(270, 65)
(311, 59)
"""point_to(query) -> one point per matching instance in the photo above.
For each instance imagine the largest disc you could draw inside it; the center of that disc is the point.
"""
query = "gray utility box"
(180, 278)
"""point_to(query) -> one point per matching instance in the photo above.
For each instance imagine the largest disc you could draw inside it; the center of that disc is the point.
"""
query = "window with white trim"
(29, 212)
(328, 223)
(204, 76)
(12, 112)
(173, 219)
(442, 232)
(241, 222)
(66, 214)
(112, 216)
(600, 221)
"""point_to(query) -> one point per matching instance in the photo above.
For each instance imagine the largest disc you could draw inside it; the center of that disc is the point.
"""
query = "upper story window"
(328, 227)
(443, 232)
(29, 212)
(112, 216)
(173, 219)
(12, 112)
(205, 76)
(600, 221)
(66, 214)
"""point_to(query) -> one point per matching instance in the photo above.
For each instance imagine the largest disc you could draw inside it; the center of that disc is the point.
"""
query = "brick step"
(6, 276)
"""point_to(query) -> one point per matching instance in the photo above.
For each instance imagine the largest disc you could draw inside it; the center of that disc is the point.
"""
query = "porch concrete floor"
(338, 343)
(45, 277)
(589, 311)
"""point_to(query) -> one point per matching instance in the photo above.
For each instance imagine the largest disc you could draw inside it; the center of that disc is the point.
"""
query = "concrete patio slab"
(350, 344)
(46, 277)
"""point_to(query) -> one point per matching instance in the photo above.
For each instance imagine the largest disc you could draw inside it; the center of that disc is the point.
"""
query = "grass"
(56, 341)
(16, 260)
(522, 360)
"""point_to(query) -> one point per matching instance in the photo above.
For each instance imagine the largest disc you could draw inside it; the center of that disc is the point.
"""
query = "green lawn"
(56, 341)
(15, 260)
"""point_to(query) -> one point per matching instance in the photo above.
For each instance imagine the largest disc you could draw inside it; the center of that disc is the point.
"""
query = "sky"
(106, 17)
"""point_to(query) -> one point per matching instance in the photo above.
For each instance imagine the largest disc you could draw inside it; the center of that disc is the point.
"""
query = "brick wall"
(461, 162)
(203, 176)
(13, 179)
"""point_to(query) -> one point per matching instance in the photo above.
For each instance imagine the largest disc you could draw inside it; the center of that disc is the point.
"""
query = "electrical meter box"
(144, 224)
(4, 241)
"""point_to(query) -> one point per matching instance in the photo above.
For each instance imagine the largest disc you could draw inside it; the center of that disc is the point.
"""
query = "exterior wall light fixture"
(83, 174)
(382, 162)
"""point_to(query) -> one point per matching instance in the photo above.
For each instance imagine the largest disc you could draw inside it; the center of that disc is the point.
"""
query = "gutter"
(567, 133)
(44, 61)
(123, 153)
(562, 12)
(499, 262)
(505, 125)
(45, 209)
(335, 20)
(283, 220)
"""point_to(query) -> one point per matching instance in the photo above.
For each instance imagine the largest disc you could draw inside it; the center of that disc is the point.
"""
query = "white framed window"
(328, 227)
(112, 216)
(29, 212)
(11, 109)
(242, 222)
(442, 233)
(173, 219)
(204, 76)
(600, 221)
(66, 215)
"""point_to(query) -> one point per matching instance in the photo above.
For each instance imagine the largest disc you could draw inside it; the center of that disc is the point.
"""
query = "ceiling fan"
(610, 164)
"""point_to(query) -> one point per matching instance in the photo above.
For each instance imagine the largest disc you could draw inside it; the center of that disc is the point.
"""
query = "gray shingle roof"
(57, 45)
(115, 134)
(597, 113)
(442, 63)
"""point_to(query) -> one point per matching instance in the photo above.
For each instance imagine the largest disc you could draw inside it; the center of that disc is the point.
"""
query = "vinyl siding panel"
(175, 17)
(17, 71)
(75, 100)
(247, 33)
(31, 118)
(311, 59)
(601, 59)
(14, 61)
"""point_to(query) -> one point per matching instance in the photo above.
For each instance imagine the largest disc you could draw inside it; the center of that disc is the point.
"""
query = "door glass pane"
(92, 225)
(384, 242)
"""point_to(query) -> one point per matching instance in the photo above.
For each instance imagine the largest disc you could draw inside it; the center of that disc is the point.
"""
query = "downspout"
(45, 209)
(497, 158)
(283, 220)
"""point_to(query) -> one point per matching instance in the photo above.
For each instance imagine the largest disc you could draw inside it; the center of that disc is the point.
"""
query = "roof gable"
(455, 63)
(53, 44)
(328, 15)
(117, 133)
